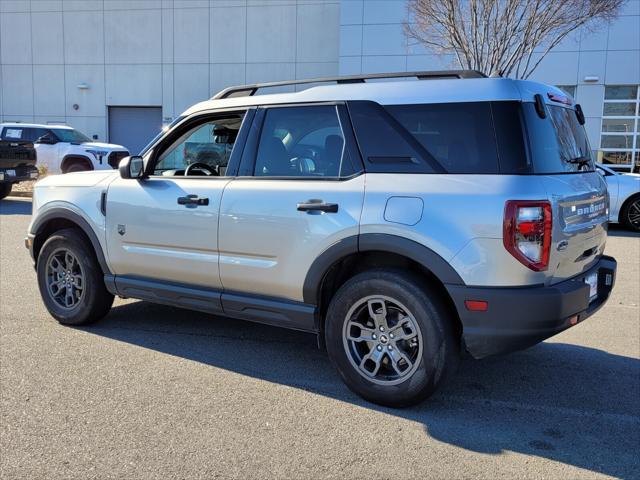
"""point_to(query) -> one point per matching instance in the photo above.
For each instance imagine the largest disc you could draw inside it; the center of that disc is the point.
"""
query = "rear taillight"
(527, 232)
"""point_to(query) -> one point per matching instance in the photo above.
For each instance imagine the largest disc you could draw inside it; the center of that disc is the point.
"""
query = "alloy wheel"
(382, 340)
(633, 214)
(65, 278)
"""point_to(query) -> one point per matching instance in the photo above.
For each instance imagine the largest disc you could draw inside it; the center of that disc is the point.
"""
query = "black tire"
(5, 189)
(94, 302)
(78, 167)
(629, 213)
(439, 354)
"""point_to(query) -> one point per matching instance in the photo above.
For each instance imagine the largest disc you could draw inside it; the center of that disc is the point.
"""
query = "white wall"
(173, 53)
(169, 53)
(372, 40)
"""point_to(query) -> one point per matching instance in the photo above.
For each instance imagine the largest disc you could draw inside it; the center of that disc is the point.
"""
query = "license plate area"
(592, 281)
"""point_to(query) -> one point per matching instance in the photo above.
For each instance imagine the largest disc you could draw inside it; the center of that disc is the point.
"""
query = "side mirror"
(46, 140)
(601, 172)
(131, 167)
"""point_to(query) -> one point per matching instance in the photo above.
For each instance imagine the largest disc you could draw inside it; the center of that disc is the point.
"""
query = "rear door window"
(305, 141)
(34, 134)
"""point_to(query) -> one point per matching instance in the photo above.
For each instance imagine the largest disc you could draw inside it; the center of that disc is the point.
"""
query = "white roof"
(33, 125)
(398, 92)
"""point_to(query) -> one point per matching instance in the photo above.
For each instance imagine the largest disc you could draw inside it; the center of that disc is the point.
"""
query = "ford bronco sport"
(399, 221)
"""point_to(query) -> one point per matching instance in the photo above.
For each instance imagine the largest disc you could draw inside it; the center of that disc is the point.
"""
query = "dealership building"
(120, 69)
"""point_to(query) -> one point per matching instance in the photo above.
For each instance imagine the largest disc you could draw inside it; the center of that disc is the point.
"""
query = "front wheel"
(78, 167)
(70, 279)
(390, 338)
(5, 189)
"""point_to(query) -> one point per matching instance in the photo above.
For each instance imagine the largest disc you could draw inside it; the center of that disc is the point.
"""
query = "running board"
(268, 310)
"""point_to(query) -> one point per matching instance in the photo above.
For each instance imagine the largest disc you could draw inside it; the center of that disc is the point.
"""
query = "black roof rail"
(249, 90)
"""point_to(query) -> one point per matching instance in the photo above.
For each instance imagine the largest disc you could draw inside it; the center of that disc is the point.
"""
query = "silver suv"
(399, 221)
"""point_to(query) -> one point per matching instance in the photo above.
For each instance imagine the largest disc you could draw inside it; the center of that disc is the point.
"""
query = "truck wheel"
(390, 338)
(78, 167)
(70, 279)
(5, 189)
(630, 214)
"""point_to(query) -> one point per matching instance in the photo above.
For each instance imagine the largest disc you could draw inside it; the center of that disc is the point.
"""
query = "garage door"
(134, 127)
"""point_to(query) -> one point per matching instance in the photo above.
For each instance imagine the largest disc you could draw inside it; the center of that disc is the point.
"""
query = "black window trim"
(189, 122)
(249, 157)
(393, 123)
(526, 146)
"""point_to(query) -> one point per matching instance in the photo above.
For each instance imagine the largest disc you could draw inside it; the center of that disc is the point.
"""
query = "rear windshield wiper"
(582, 160)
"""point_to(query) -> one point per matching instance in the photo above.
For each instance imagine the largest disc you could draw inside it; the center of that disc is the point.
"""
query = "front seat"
(273, 159)
(332, 154)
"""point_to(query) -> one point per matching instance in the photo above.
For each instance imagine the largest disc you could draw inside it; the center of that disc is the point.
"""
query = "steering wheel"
(200, 166)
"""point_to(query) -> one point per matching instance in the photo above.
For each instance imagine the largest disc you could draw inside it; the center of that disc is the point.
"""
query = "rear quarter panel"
(462, 220)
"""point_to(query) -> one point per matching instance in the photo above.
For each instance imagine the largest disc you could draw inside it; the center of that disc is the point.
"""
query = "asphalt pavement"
(158, 392)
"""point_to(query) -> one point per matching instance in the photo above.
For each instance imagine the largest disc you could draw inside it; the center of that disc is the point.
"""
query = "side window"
(459, 136)
(301, 142)
(13, 133)
(203, 150)
(35, 133)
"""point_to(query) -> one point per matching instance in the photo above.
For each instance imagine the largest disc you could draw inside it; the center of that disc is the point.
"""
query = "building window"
(568, 89)
(619, 139)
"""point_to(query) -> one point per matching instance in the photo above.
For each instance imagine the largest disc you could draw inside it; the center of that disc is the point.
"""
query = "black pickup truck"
(17, 164)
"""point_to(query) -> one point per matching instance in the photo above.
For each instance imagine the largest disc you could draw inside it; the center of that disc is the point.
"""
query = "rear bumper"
(518, 318)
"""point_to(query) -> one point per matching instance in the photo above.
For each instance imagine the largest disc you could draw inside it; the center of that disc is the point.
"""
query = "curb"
(21, 194)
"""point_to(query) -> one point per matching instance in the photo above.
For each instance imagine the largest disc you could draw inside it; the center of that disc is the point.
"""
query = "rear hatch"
(561, 155)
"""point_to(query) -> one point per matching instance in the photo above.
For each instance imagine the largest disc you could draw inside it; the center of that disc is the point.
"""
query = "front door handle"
(193, 200)
(315, 205)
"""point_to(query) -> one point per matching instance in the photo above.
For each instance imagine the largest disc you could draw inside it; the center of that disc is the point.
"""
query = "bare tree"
(503, 37)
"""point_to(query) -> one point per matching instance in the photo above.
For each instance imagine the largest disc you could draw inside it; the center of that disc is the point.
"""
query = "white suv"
(395, 220)
(63, 149)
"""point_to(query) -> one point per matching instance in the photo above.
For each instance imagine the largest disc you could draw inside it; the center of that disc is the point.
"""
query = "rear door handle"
(193, 200)
(315, 205)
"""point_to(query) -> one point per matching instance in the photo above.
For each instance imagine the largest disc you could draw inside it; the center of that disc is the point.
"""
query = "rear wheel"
(630, 213)
(390, 338)
(70, 279)
(5, 189)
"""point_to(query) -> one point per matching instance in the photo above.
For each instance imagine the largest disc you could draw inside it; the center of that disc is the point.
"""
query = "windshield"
(558, 142)
(70, 135)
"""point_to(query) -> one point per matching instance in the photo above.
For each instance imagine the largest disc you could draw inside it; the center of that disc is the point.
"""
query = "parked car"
(17, 164)
(624, 197)
(623, 168)
(62, 149)
(395, 220)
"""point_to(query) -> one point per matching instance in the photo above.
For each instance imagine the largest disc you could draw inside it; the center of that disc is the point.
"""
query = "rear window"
(13, 133)
(558, 143)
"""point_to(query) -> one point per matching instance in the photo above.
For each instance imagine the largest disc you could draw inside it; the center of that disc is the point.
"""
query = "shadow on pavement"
(9, 206)
(567, 403)
(617, 230)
